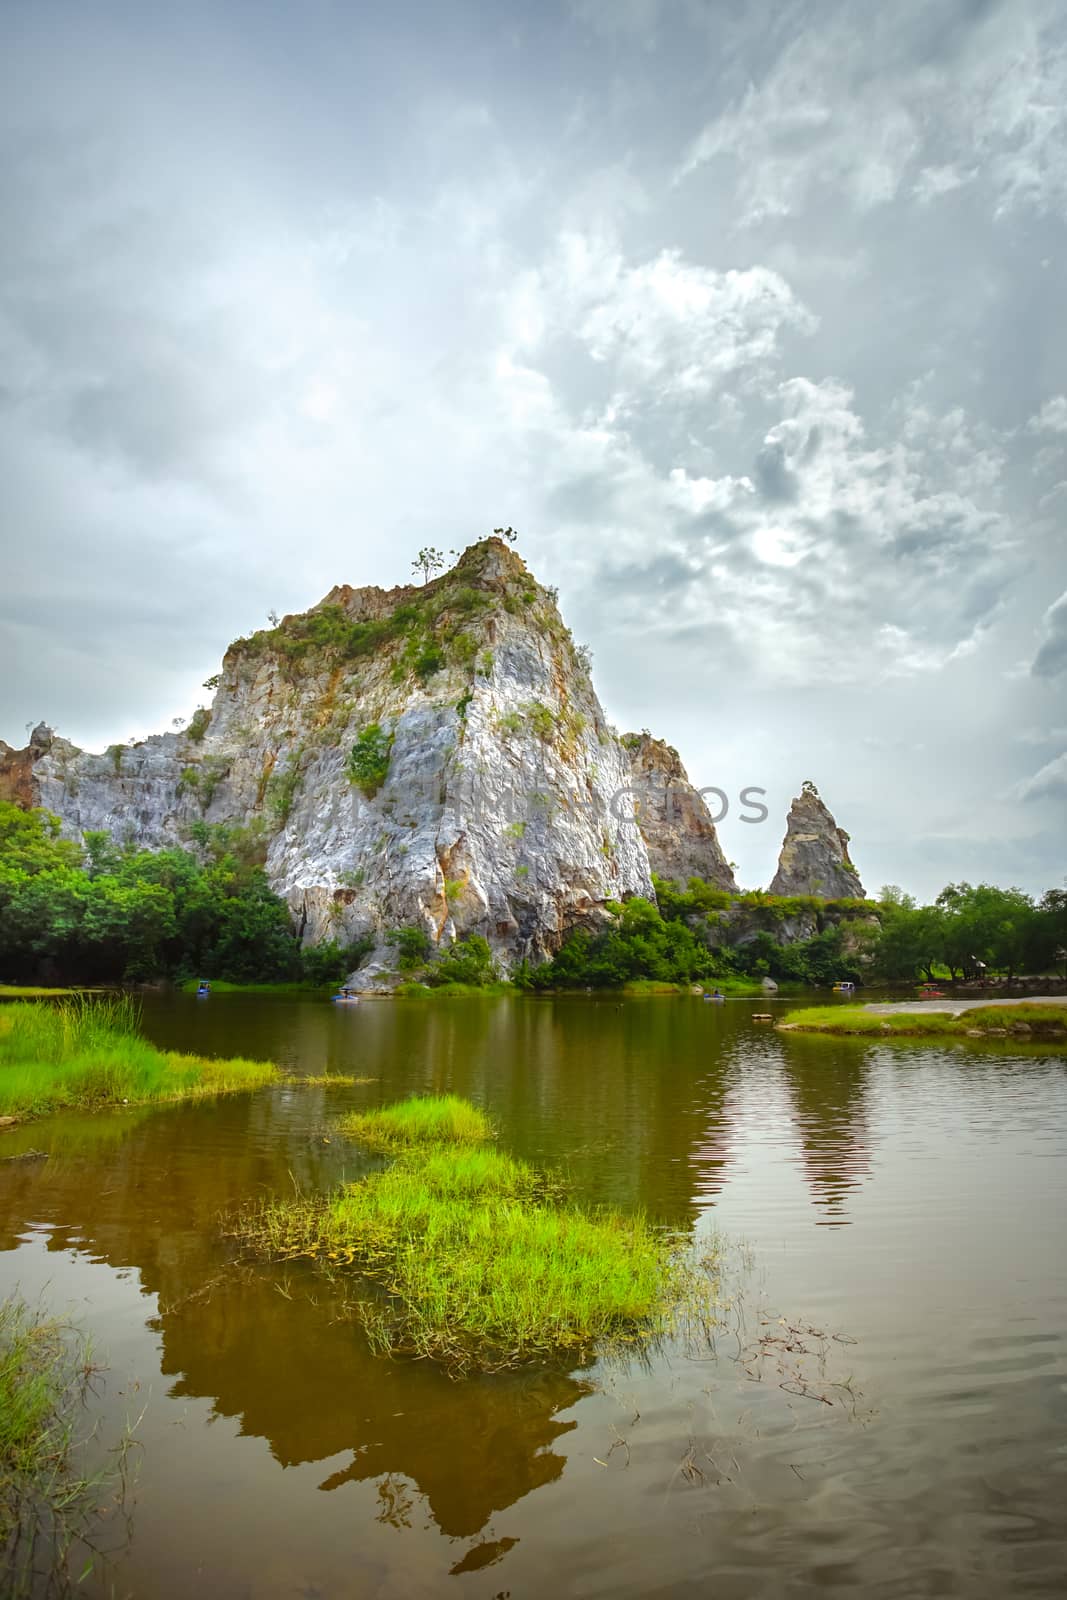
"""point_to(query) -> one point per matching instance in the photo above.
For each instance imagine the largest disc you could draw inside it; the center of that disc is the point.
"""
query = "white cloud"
(1050, 783)
(838, 556)
(933, 182)
(668, 327)
(1052, 418)
(1051, 657)
(820, 120)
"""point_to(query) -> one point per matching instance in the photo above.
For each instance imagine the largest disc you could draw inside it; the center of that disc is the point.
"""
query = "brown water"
(909, 1198)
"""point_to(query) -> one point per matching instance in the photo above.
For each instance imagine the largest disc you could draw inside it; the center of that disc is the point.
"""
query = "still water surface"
(910, 1199)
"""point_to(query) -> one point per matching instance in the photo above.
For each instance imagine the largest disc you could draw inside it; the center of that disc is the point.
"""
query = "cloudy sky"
(750, 318)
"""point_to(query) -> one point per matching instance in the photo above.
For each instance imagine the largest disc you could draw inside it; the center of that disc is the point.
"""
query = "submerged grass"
(90, 1054)
(483, 1261)
(48, 1502)
(1046, 1022)
(430, 1120)
(329, 1080)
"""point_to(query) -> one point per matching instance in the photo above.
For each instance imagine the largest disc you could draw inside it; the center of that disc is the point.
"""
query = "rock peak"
(814, 858)
(675, 822)
(488, 564)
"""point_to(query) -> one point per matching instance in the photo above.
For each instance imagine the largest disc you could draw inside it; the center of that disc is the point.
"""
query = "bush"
(368, 763)
(469, 961)
(413, 947)
(330, 962)
(198, 724)
(430, 659)
(641, 944)
(282, 787)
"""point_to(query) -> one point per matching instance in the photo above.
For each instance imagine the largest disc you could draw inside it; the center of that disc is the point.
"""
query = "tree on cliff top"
(428, 561)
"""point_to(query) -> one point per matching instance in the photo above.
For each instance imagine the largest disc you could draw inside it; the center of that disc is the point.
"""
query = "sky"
(749, 317)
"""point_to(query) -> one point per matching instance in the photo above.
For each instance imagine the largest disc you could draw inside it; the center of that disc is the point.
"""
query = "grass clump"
(857, 1020)
(434, 1119)
(90, 1054)
(47, 1501)
(1036, 1016)
(483, 1262)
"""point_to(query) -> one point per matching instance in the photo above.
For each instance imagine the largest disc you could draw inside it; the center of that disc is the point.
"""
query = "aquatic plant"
(90, 1054)
(49, 1502)
(483, 1261)
(432, 1119)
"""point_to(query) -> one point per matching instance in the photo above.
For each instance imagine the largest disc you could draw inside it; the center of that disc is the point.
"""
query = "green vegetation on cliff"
(428, 629)
(91, 1054)
(683, 940)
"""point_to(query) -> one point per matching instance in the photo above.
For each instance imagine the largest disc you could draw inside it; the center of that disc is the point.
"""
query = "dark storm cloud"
(749, 319)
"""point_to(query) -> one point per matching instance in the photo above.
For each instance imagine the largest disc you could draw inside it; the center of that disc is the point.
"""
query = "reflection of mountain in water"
(472, 1448)
(713, 1151)
(829, 1093)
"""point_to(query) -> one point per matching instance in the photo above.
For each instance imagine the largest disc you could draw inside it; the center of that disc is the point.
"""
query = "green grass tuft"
(90, 1054)
(435, 1119)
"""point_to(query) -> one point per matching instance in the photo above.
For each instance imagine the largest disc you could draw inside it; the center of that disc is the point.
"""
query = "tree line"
(108, 913)
(104, 912)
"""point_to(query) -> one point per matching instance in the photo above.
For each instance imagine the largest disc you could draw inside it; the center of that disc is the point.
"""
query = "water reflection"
(471, 1449)
(336, 1469)
(829, 1105)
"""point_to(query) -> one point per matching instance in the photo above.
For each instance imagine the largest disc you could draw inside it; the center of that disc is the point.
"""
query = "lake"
(883, 1412)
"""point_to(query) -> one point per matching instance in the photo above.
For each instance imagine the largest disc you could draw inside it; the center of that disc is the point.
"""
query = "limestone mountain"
(429, 755)
(678, 831)
(814, 858)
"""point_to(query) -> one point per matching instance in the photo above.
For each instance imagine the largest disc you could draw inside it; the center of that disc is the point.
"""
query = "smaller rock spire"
(814, 858)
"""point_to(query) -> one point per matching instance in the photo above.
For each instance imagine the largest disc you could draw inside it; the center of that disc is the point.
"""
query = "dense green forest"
(969, 931)
(109, 913)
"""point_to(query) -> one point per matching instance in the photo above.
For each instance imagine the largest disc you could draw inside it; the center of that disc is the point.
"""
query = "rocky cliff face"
(814, 858)
(492, 795)
(678, 831)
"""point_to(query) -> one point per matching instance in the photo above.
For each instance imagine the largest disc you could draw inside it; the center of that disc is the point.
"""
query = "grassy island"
(484, 1262)
(1044, 1024)
(90, 1054)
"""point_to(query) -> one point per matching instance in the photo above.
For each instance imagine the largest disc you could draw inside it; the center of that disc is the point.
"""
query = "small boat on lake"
(715, 996)
(345, 997)
(203, 990)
